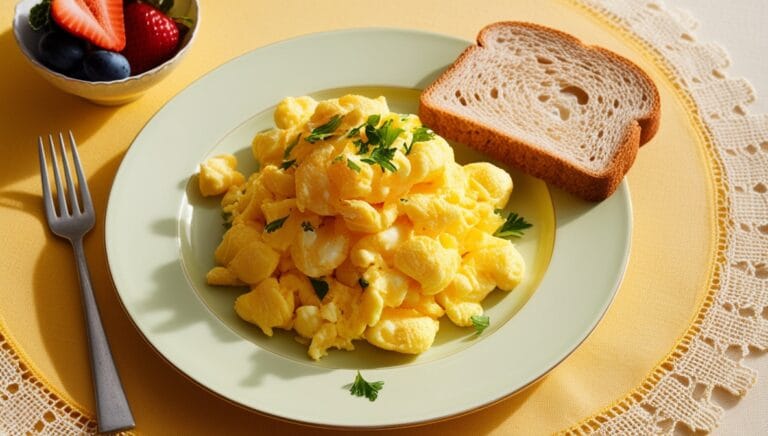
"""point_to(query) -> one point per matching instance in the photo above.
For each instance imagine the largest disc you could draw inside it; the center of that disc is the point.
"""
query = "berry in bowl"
(107, 51)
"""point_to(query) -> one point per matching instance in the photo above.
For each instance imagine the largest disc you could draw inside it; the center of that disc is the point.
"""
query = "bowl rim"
(21, 7)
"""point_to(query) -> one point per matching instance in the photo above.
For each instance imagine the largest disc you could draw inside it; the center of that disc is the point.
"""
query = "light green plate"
(161, 234)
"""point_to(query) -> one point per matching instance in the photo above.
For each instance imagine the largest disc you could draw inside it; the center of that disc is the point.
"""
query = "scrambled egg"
(359, 225)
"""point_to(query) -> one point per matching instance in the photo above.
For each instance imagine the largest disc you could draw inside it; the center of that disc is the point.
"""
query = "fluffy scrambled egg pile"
(359, 225)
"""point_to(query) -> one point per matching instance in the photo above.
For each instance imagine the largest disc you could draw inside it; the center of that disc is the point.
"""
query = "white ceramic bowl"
(106, 93)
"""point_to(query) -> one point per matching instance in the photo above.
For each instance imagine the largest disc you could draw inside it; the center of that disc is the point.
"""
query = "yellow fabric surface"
(668, 275)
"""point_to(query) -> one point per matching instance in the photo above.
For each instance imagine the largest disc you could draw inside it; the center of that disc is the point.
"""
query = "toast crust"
(551, 167)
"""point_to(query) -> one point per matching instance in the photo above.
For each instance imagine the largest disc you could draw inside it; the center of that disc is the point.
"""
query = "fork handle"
(112, 410)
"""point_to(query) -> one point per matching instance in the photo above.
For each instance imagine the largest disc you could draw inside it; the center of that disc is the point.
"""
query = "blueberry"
(78, 72)
(103, 66)
(61, 51)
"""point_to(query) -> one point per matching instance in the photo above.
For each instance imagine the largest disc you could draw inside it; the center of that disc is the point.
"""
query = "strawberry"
(99, 22)
(152, 37)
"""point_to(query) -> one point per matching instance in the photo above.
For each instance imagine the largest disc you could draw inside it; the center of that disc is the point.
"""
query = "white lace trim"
(735, 315)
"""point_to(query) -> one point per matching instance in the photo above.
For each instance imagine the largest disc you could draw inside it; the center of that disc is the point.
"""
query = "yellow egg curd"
(359, 225)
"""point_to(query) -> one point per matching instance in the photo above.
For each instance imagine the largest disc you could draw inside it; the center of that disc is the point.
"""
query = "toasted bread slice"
(540, 100)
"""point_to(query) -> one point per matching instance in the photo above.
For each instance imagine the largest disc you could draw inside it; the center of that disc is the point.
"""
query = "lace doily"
(733, 317)
(27, 405)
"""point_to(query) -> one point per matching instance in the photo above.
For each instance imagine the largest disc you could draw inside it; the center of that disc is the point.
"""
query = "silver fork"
(72, 223)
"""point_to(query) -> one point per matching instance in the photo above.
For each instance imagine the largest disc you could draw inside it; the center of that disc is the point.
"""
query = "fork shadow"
(24, 202)
(164, 298)
(33, 107)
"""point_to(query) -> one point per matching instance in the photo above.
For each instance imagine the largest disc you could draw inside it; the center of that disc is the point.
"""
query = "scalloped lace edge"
(677, 394)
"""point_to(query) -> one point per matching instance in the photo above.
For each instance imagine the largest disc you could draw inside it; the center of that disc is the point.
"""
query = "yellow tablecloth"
(672, 258)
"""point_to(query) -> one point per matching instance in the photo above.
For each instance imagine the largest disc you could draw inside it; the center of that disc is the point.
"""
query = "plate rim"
(623, 191)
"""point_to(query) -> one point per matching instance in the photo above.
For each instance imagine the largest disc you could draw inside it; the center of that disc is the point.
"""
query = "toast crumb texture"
(540, 100)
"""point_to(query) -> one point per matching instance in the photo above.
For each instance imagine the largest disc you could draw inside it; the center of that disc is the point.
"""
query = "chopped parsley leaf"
(276, 224)
(388, 134)
(307, 226)
(421, 134)
(353, 166)
(373, 135)
(363, 388)
(513, 227)
(373, 121)
(480, 323)
(290, 147)
(363, 282)
(287, 164)
(362, 147)
(320, 286)
(382, 156)
(325, 131)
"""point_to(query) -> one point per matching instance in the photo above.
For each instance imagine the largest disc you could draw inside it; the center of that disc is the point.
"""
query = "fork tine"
(74, 204)
(50, 212)
(63, 211)
(84, 193)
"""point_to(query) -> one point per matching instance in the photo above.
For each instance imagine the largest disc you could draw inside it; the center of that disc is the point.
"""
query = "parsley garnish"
(383, 157)
(388, 134)
(353, 166)
(513, 227)
(381, 138)
(373, 134)
(320, 286)
(276, 224)
(325, 131)
(287, 164)
(362, 388)
(290, 147)
(307, 226)
(362, 147)
(499, 212)
(337, 158)
(480, 323)
(363, 282)
(421, 134)
(373, 121)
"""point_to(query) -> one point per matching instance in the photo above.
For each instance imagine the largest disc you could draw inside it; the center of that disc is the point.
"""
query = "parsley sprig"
(383, 157)
(289, 148)
(287, 164)
(276, 224)
(513, 227)
(307, 226)
(325, 131)
(480, 323)
(421, 134)
(353, 166)
(372, 121)
(363, 388)
(381, 139)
